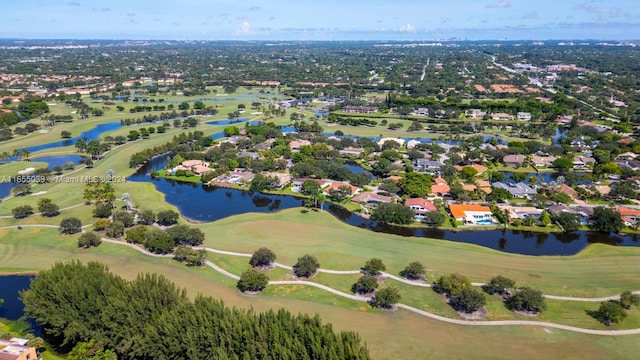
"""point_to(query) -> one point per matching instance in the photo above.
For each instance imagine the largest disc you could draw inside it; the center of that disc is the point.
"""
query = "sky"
(321, 19)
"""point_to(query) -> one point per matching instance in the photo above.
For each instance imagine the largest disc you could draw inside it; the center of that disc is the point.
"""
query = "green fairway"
(599, 270)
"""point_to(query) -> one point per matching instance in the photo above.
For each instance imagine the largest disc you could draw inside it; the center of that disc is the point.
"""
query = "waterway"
(202, 203)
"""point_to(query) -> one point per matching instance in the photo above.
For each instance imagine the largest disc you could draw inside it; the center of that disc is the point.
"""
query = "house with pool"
(472, 214)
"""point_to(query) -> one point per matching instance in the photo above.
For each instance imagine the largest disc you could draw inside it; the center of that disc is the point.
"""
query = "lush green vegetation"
(66, 298)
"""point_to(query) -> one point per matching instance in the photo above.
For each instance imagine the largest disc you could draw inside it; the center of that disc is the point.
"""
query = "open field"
(388, 335)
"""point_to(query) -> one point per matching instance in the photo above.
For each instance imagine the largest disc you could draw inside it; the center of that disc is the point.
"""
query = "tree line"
(151, 318)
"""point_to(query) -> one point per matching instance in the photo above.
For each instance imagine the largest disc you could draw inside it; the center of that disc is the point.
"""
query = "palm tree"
(25, 154)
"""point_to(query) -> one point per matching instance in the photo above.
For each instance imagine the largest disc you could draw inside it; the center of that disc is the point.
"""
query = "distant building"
(501, 116)
(360, 109)
(523, 116)
(429, 166)
(514, 160)
(17, 349)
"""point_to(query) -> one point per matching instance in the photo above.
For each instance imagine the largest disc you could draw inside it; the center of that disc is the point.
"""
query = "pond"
(203, 203)
(13, 308)
(92, 134)
(52, 161)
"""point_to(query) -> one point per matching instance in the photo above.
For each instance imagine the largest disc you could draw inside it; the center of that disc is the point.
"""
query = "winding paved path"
(399, 305)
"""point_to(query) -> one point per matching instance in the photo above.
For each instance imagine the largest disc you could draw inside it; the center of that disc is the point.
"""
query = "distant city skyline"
(322, 20)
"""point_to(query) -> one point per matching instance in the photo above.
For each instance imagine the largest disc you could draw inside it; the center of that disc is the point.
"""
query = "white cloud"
(499, 5)
(244, 29)
(407, 28)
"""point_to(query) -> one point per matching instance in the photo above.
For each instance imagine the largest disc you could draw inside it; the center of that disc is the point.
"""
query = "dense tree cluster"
(150, 318)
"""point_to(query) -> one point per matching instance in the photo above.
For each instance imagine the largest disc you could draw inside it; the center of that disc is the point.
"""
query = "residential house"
(283, 178)
(523, 116)
(17, 349)
(429, 166)
(296, 186)
(501, 116)
(360, 109)
(383, 140)
(521, 212)
(630, 216)
(471, 214)
(420, 206)
(440, 187)
(350, 150)
(631, 164)
(370, 199)
(249, 154)
(475, 113)
(514, 160)
(519, 190)
(583, 162)
(335, 185)
(584, 213)
(421, 112)
(295, 145)
(542, 161)
(564, 188)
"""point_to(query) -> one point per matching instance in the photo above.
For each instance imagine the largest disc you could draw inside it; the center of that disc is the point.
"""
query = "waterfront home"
(350, 150)
(501, 116)
(475, 113)
(514, 160)
(360, 109)
(520, 212)
(283, 178)
(584, 213)
(523, 116)
(542, 161)
(630, 216)
(384, 140)
(583, 162)
(471, 214)
(564, 188)
(517, 190)
(336, 185)
(420, 206)
(370, 199)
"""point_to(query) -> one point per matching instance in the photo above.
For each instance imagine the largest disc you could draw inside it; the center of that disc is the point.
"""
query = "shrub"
(469, 300)
(114, 230)
(453, 284)
(70, 225)
(253, 280)
(21, 212)
(365, 284)
(167, 217)
(527, 299)
(306, 266)
(386, 298)
(499, 285)
(101, 224)
(262, 257)
(374, 266)
(413, 271)
(89, 239)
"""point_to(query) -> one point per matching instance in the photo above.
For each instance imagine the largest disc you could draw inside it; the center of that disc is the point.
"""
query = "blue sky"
(322, 20)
